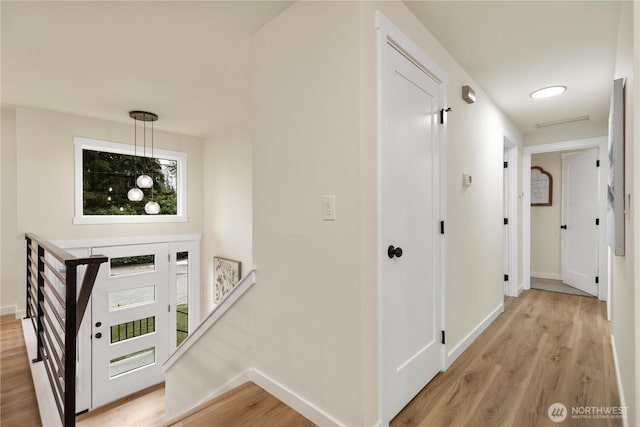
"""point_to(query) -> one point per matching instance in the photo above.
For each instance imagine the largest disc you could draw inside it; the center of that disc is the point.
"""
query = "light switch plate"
(329, 207)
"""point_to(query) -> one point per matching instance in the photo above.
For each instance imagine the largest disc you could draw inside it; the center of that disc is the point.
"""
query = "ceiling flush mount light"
(548, 92)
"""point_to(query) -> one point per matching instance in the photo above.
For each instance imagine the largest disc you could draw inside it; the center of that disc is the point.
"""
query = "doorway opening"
(564, 226)
(577, 153)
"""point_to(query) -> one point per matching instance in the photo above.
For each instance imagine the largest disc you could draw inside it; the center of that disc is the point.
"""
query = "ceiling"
(511, 48)
(189, 62)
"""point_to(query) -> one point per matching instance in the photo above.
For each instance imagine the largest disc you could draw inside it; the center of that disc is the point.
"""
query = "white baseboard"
(8, 309)
(294, 400)
(550, 276)
(235, 382)
(625, 420)
(471, 337)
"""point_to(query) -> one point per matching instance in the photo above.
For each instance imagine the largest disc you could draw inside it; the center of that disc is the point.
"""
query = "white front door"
(410, 299)
(130, 322)
(579, 249)
(505, 235)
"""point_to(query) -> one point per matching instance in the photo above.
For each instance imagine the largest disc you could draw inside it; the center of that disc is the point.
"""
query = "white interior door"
(579, 249)
(130, 323)
(410, 299)
(505, 235)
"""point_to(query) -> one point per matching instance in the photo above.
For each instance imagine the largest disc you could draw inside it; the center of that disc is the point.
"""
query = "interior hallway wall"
(546, 221)
(10, 296)
(227, 203)
(624, 282)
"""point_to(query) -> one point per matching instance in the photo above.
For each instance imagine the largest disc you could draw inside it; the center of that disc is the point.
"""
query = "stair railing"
(56, 314)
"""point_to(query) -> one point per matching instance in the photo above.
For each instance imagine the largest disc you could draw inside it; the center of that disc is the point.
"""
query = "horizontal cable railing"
(56, 314)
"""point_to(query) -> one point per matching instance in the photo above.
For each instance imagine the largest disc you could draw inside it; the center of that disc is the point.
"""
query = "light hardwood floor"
(18, 404)
(545, 348)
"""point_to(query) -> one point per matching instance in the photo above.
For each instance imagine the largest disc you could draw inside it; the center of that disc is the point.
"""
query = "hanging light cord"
(153, 160)
(135, 151)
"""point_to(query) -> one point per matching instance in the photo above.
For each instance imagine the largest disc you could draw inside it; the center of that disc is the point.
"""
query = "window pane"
(107, 177)
(128, 298)
(182, 309)
(132, 265)
(129, 362)
(136, 328)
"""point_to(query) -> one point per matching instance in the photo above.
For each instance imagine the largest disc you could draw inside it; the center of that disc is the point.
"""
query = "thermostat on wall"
(466, 179)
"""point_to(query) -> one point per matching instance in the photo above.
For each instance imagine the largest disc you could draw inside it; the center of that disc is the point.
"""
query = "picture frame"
(226, 275)
(541, 187)
(615, 184)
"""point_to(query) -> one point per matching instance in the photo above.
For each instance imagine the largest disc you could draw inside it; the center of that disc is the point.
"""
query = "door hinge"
(505, 165)
(597, 221)
(597, 163)
(442, 111)
(506, 277)
(506, 221)
(597, 279)
(441, 227)
(169, 257)
(443, 340)
(169, 308)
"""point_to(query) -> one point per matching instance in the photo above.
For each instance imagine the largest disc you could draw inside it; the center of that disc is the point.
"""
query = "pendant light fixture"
(152, 207)
(135, 194)
(144, 180)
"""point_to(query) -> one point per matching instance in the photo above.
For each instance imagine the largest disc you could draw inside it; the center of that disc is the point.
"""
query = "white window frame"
(81, 144)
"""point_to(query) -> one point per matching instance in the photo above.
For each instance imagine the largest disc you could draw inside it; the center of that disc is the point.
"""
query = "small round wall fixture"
(152, 208)
(135, 194)
(548, 92)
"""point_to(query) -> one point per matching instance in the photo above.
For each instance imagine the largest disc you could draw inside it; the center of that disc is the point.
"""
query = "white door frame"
(511, 148)
(577, 144)
(388, 33)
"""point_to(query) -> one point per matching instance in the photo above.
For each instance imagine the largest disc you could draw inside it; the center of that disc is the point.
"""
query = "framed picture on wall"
(615, 186)
(541, 187)
(226, 274)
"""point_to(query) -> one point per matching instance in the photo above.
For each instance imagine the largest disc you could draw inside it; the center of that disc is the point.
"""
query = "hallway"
(545, 348)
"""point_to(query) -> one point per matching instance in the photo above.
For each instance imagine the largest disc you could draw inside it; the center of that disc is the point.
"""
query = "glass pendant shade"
(135, 194)
(144, 181)
(152, 208)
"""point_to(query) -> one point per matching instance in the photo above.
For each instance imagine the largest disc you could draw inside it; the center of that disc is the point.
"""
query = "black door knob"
(393, 251)
(564, 227)
(98, 324)
(99, 335)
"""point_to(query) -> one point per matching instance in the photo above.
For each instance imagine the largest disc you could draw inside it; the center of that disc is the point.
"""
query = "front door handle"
(393, 251)
(98, 335)
(564, 227)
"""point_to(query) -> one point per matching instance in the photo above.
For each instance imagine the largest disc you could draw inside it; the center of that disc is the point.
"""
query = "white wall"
(545, 222)
(307, 329)
(10, 296)
(227, 203)
(624, 284)
(44, 178)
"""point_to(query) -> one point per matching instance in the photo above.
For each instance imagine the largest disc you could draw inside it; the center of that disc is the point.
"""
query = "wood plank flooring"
(546, 347)
(247, 405)
(18, 404)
